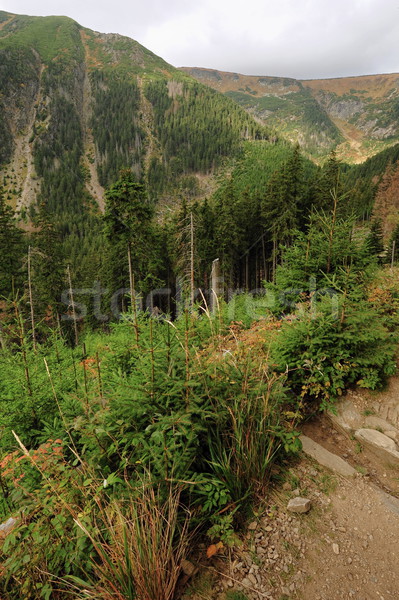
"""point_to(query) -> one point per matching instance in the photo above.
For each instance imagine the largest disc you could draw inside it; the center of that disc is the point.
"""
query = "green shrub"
(331, 344)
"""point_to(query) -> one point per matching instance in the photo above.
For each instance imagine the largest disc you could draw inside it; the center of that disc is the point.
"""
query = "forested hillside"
(82, 98)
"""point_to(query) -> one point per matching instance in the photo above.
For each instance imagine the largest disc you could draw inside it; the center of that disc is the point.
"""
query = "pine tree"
(228, 231)
(329, 183)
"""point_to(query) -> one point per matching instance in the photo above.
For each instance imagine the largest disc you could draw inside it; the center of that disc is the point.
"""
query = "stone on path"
(380, 444)
(373, 422)
(326, 458)
(348, 419)
(299, 505)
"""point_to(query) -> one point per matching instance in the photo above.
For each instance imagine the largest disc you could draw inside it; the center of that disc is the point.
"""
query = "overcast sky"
(291, 38)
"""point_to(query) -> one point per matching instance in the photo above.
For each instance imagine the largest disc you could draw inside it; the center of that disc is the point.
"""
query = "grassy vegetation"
(126, 57)
(158, 415)
(292, 111)
(52, 37)
(130, 442)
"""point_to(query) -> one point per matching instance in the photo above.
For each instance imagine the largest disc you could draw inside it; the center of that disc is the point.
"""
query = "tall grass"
(140, 547)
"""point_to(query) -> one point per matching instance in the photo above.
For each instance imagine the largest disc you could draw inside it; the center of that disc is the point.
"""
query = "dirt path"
(5, 23)
(353, 552)
(346, 547)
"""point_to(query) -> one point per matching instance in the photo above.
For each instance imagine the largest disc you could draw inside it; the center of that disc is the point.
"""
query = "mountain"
(76, 106)
(357, 116)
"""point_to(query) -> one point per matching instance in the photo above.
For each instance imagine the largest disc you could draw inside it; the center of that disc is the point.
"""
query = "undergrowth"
(114, 454)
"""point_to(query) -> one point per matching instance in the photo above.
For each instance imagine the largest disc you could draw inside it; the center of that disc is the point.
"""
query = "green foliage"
(329, 257)
(332, 344)
(157, 405)
(223, 530)
(54, 38)
(233, 595)
(375, 239)
(335, 336)
(130, 235)
(149, 411)
(46, 492)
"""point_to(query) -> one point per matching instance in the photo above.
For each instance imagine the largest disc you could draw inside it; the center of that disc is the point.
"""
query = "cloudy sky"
(291, 38)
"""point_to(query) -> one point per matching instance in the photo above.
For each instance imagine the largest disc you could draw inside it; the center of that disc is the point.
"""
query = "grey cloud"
(293, 38)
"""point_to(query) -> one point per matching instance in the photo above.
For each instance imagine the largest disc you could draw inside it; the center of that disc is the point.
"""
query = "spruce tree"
(129, 234)
(375, 239)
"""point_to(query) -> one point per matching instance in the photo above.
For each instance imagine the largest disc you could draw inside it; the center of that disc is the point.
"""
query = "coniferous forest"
(161, 345)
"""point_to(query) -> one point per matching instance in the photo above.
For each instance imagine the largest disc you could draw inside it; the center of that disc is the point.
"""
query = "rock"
(347, 417)
(7, 527)
(252, 526)
(188, 568)
(372, 422)
(390, 502)
(252, 579)
(335, 548)
(380, 444)
(326, 458)
(394, 435)
(299, 505)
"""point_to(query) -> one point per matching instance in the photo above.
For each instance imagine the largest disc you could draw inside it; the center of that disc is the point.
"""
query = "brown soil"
(367, 535)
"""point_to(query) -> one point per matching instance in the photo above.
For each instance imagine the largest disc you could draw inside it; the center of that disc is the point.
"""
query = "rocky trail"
(347, 545)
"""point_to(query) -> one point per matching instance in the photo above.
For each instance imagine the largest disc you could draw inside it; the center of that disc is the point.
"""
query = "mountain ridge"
(357, 116)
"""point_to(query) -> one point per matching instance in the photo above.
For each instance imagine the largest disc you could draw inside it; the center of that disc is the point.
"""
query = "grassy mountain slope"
(358, 116)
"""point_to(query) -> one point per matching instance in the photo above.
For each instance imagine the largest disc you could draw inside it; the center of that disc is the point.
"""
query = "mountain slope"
(358, 116)
(77, 106)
